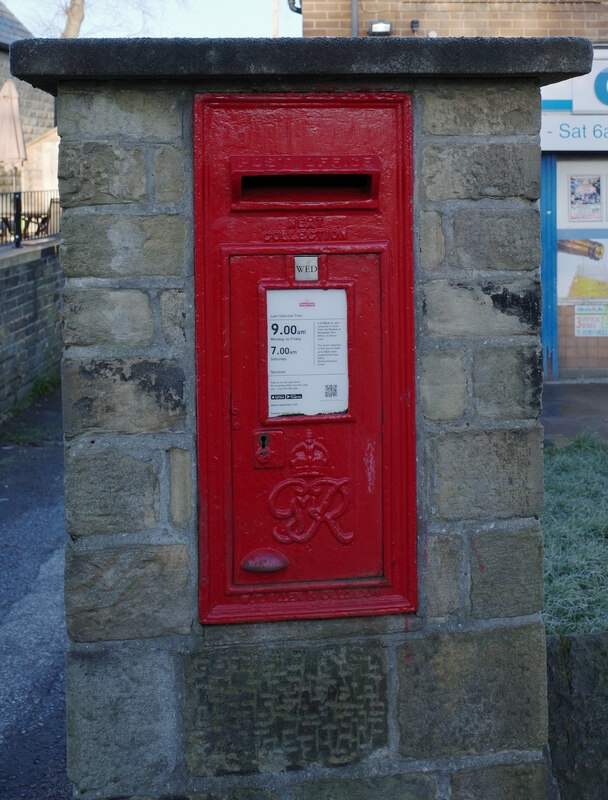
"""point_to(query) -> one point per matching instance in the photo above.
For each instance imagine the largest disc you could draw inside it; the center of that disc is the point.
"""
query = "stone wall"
(467, 681)
(30, 334)
(446, 703)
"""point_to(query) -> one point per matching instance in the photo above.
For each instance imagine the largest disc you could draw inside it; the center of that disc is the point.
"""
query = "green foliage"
(44, 386)
(41, 387)
(11, 435)
(27, 437)
(575, 524)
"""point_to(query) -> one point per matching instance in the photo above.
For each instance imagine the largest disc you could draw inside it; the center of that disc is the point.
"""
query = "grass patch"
(575, 524)
(12, 426)
(40, 388)
(27, 437)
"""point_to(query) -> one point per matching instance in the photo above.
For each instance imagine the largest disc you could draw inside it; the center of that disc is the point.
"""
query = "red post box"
(305, 346)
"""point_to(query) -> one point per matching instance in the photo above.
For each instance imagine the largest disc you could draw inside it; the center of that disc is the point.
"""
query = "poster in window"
(582, 268)
(585, 201)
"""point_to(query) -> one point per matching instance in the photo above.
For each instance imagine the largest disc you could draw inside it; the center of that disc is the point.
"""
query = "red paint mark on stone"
(477, 556)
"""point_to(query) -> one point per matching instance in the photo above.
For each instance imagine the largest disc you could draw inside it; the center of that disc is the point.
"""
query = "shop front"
(574, 208)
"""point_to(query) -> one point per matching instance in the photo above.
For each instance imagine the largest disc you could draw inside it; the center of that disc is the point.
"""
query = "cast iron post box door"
(305, 348)
(304, 483)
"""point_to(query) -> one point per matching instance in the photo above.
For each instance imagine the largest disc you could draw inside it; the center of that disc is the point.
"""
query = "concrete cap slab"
(46, 62)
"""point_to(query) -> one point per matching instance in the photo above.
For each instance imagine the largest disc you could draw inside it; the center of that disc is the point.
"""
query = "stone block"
(121, 318)
(108, 491)
(506, 569)
(392, 787)
(237, 793)
(493, 239)
(472, 693)
(129, 592)
(502, 782)
(443, 384)
(472, 309)
(173, 316)
(93, 174)
(282, 708)
(578, 714)
(234, 793)
(486, 474)
(181, 487)
(444, 575)
(135, 114)
(169, 175)
(500, 110)
(309, 629)
(122, 396)
(432, 240)
(100, 246)
(481, 170)
(508, 383)
(122, 727)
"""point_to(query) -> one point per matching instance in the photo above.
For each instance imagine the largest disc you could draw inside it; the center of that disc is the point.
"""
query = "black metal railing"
(28, 215)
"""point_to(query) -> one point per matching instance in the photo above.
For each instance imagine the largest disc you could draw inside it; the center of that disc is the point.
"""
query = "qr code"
(331, 390)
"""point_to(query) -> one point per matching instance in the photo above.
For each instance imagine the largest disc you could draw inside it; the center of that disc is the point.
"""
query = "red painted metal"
(305, 513)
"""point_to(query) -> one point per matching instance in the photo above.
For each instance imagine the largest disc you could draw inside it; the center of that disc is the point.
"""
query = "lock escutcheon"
(268, 450)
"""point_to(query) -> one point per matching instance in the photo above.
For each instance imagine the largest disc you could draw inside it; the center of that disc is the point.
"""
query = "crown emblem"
(309, 457)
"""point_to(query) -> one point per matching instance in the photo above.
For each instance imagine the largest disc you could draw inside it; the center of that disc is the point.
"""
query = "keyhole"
(263, 441)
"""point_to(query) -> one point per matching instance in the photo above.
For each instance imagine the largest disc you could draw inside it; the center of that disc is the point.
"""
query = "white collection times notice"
(307, 351)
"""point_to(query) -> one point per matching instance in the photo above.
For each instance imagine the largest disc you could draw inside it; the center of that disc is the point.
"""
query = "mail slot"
(305, 349)
(294, 182)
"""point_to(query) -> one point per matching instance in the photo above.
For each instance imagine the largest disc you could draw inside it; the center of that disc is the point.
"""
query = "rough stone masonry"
(449, 702)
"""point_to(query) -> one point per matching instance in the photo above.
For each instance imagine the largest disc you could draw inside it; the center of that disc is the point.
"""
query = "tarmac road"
(32, 628)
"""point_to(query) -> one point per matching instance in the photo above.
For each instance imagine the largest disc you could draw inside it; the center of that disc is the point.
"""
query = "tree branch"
(74, 12)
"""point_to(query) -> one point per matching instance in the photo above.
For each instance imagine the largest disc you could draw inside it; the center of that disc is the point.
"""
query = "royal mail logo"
(305, 503)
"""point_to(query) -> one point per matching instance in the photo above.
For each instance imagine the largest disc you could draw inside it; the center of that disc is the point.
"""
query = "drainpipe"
(354, 17)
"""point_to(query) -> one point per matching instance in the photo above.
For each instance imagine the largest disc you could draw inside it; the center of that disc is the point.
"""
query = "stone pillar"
(449, 702)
